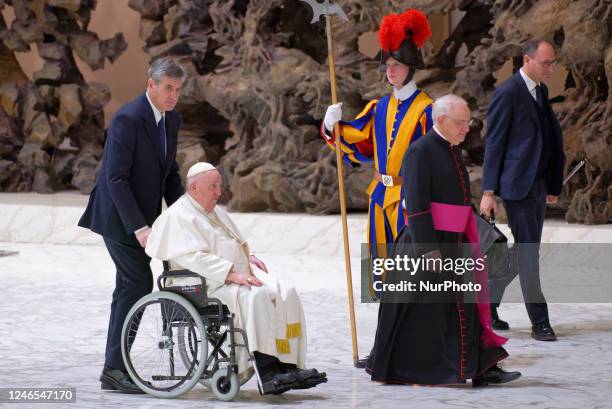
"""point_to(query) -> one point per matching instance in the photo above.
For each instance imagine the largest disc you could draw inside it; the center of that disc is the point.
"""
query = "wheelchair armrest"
(181, 273)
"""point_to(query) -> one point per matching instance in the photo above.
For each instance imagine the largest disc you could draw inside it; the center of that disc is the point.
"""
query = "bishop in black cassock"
(446, 338)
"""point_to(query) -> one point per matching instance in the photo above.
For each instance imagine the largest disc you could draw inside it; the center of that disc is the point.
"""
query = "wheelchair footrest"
(280, 383)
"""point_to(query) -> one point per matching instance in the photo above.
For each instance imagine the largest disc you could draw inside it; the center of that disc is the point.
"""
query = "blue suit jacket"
(134, 177)
(513, 144)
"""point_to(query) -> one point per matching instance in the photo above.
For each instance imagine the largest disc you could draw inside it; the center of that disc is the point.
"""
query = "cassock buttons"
(397, 114)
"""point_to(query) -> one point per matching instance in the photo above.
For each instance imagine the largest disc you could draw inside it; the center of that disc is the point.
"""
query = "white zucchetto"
(198, 168)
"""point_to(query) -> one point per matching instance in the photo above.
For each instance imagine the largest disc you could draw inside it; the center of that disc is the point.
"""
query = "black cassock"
(436, 342)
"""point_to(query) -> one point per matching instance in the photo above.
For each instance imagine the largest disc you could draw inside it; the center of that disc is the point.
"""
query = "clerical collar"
(442, 136)
(405, 92)
(158, 115)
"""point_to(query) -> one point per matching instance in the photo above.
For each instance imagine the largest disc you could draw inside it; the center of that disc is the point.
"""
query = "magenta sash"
(460, 219)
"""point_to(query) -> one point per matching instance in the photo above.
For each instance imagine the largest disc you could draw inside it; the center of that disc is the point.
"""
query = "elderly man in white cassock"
(195, 234)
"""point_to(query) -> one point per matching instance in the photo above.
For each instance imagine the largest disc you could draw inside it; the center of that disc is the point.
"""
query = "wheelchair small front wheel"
(219, 345)
(224, 387)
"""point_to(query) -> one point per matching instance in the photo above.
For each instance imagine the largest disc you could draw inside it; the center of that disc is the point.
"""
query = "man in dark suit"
(524, 166)
(138, 170)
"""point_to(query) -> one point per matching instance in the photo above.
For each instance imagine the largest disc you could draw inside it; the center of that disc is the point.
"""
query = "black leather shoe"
(303, 374)
(543, 332)
(118, 380)
(297, 379)
(495, 375)
(311, 382)
(498, 323)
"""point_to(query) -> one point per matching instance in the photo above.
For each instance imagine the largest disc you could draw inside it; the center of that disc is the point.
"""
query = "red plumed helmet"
(401, 35)
(391, 33)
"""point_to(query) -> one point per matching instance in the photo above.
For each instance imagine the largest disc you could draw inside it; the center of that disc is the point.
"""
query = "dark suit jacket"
(134, 177)
(514, 140)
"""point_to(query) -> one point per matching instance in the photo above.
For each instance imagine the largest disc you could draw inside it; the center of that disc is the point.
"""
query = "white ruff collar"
(405, 92)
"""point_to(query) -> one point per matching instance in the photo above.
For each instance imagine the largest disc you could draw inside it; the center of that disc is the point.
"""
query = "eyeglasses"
(462, 122)
(546, 63)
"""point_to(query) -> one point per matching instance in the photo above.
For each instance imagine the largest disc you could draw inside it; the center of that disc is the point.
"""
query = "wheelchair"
(177, 337)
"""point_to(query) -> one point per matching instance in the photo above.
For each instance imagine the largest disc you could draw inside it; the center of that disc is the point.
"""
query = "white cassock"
(209, 243)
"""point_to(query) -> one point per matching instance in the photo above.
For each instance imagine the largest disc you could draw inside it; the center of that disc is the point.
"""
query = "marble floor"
(56, 293)
(54, 312)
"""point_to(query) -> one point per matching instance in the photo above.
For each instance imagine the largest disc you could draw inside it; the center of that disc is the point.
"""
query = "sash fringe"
(282, 346)
(294, 330)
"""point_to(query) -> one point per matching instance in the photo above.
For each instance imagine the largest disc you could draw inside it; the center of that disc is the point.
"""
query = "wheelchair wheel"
(151, 341)
(223, 387)
(187, 351)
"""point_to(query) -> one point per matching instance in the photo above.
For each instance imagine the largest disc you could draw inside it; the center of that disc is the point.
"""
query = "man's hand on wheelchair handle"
(143, 235)
(258, 263)
(246, 280)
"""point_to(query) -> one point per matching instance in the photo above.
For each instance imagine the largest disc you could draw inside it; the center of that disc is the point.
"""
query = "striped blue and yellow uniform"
(382, 133)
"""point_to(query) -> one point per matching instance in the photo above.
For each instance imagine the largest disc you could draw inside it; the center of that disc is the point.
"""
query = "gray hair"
(444, 105)
(531, 46)
(166, 67)
(193, 179)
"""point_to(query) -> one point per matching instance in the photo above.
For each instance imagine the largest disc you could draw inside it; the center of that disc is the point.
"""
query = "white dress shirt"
(158, 115)
(531, 84)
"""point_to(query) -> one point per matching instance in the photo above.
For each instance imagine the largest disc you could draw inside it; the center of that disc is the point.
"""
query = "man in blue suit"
(524, 166)
(138, 170)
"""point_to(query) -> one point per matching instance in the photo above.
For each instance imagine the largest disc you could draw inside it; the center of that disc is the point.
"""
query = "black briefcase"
(494, 244)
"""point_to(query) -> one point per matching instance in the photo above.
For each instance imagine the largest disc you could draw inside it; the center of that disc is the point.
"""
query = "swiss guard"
(386, 127)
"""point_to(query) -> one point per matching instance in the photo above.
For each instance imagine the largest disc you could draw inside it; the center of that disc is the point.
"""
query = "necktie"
(162, 136)
(539, 96)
